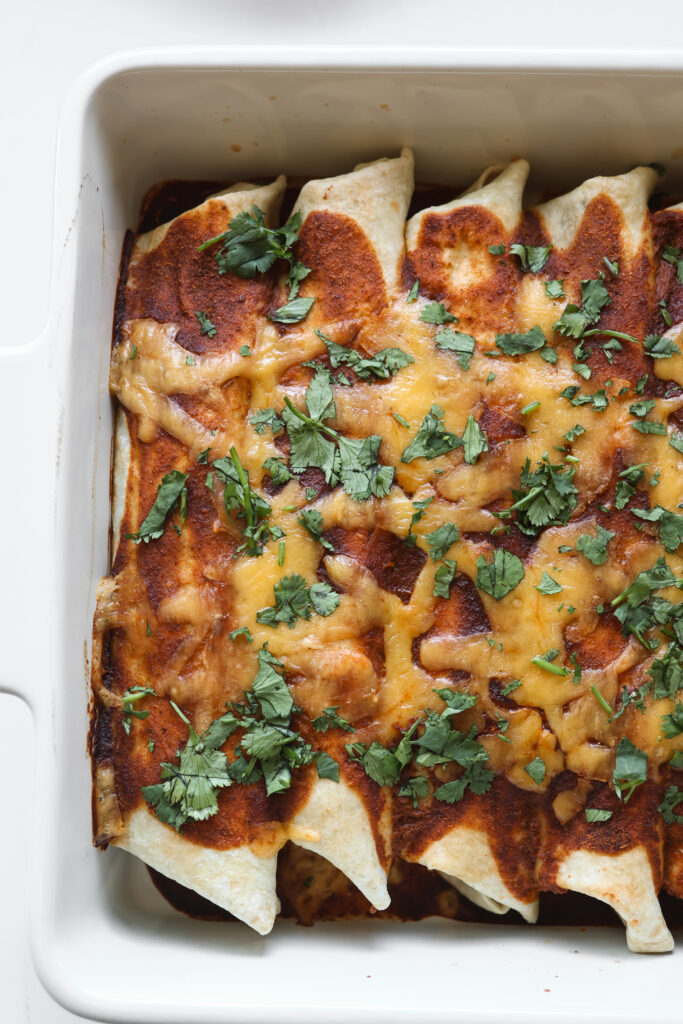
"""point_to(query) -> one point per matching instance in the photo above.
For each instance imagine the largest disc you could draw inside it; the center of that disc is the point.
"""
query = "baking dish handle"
(28, 428)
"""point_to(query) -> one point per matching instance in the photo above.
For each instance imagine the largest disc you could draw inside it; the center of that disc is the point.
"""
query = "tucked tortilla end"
(562, 216)
(502, 195)
(376, 197)
(624, 881)
(236, 880)
(478, 898)
(466, 855)
(239, 198)
(337, 816)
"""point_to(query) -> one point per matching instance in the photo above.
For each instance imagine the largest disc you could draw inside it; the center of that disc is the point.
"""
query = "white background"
(43, 47)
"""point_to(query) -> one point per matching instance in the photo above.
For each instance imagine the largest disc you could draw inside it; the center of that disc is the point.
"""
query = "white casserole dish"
(105, 944)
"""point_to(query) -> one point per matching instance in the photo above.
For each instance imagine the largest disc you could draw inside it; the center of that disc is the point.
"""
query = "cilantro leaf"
(379, 763)
(546, 497)
(670, 525)
(638, 610)
(649, 427)
(673, 255)
(474, 440)
(383, 365)
(455, 341)
(312, 521)
(279, 473)
(271, 690)
(630, 769)
(327, 767)
(519, 344)
(676, 441)
(595, 548)
(575, 320)
(672, 725)
(671, 800)
(297, 273)
(554, 289)
(206, 327)
(431, 439)
(536, 770)
(548, 585)
(242, 631)
(294, 600)
(660, 347)
(626, 484)
(443, 577)
(329, 719)
(643, 407)
(293, 311)
(499, 577)
(266, 418)
(323, 599)
(171, 490)
(667, 673)
(531, 257)
(414, 291)
(440, 540)
(239, 497)
(597, 814)
(415, 788)
(436, 313)
(131, 697)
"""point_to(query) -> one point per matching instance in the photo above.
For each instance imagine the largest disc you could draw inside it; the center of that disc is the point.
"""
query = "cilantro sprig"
(384, 364)
(546, 497)
(295, 600)
(353, 462)
(241, 499)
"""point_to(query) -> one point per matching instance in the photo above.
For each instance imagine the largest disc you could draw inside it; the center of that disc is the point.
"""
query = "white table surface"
(43, 47)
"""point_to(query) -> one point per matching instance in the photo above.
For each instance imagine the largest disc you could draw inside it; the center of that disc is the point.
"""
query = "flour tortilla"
(376, 196)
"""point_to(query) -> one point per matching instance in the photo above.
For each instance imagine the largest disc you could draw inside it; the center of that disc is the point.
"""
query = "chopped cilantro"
(576, 319)
(630, 769)
(132, 696)
(248, 247)
(240, 498)
(441, 539)
(671, 800)
(431, 439)
(443, 577)
(597, 814)
(312, 521)
(554, 289)
(670, 525)
(463, 345)
(436, 313)
(660, 347)
(242, 631)
(500, 576)
(532, 258)
(510, 687)
(383, 365)
(536, 770)
(497, 250)
(277, 468)
(673, 255)
(548, 585)
(474, 441)
(205, 324)
(171, 491)
(401, 420)
(672, 725)
(595, 548)
(414, 291)
(266, 418)
(245, 351)
(327, 767)
(415, 788)
(518, 344)
(545, 497)
(292, 312)
(294, 600)
(329, 719)
(649, 427)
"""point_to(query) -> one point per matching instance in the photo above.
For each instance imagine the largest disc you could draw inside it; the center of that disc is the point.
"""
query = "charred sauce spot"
(393, 563)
